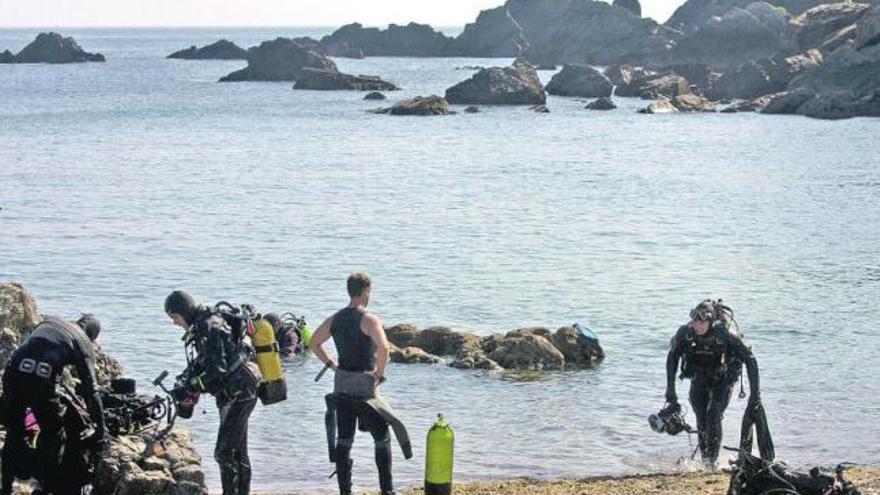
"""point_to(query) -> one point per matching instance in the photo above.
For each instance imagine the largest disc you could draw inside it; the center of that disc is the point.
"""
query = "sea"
(123, 181)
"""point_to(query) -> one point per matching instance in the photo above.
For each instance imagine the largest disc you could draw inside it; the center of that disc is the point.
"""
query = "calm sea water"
(122, 181)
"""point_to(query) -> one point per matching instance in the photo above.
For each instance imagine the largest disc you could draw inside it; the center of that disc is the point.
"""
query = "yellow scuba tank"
(274, 387)
(438, 458)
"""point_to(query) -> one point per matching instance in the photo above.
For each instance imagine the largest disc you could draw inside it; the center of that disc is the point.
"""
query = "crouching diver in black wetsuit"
(711, 356)
(219, 365)
(363, 355)
(29, 381)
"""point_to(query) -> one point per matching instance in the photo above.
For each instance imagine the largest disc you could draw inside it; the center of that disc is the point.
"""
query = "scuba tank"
(305, 333)
(438, 458)
(274, 387)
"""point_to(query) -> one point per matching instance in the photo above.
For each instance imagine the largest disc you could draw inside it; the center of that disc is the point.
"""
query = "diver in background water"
(711, 356)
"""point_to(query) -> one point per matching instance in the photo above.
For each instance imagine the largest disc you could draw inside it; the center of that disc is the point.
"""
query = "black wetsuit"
(29, 382)
(222, 367)
(357, 353)
(713, 362)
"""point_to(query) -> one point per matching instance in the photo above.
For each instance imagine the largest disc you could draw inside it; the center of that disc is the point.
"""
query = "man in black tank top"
(363, 350)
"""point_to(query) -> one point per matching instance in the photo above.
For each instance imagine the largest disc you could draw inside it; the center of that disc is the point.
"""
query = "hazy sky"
(50, 13)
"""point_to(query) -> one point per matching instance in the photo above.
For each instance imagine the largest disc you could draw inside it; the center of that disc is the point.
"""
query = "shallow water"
(122, 181)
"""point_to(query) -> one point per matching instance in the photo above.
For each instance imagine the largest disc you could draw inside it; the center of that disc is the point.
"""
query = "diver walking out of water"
(29, 382)
(221, 365)
(363, 355)
(711, 354)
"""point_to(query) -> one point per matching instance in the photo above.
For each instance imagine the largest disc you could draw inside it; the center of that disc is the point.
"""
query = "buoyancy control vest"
(708, 356)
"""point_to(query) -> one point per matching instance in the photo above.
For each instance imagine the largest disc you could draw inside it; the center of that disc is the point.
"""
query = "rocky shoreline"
(867, 480)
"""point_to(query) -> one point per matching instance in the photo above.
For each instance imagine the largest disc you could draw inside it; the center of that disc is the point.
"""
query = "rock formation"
(375, 95)
(127, 466)
(514, 85)
(52, 48)
(524, 349)
(762, 77)
(624, 75)
(693, 14)
(220, 50)
(281, 59)
(660, 107)
(420, 106)
(328, 80)
(601, 104)
(6, 57)
(579, 80)
(632, 6)
(654, 86)
(826, 27)
(412, 40)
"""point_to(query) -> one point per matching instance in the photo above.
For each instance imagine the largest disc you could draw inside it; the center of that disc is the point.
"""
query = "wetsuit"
(713, 363)
(357, 354)
(222, 367)
(29, 382)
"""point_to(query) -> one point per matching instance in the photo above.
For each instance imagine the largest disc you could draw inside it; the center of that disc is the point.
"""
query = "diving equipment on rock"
(127, 412)
(670, 420)
(273, 388)
(439, 454)
(752, 475)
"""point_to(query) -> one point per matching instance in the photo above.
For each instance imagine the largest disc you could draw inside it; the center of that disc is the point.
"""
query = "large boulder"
(281, 59)
(659, 107)
(742, 34)
(577, 348)
(624, 75)
(527, 350)
(558, 31)
(826, 26)
(402, 335)
(6, 57)
(328, 80)
(515, 85)
(443, 341)
(52, 48)
(763, 77)
(655, 86)
(412, 40)
(580, 80)
(633, 6)
(418, 106)
(601, 104)
(219, 50)
(692, 103)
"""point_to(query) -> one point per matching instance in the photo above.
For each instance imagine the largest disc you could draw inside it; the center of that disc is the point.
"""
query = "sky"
(87, 13)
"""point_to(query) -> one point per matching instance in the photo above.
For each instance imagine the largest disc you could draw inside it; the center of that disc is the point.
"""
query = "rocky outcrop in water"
(579, 80)
(418, 106)
(659, 107)
(654, 86)
(412, 40)
(763, 77)
(329, 80)
(375, 95)
(6, 57)
(220, 50)
(601, 104)
(515, 85)
(52, 48)
(557, 31)
(129, 465)
(523, 349)
(281, 59)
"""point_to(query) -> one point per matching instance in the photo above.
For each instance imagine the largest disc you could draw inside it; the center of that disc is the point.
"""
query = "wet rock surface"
(219, 50)
(601, 104)
(579, 80)
(515, 85)
(535, 348)
(654, 86)
(130, 464)
(418, 106)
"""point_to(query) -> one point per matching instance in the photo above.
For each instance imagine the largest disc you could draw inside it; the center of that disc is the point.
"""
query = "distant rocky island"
(51, 48)
(220, 50)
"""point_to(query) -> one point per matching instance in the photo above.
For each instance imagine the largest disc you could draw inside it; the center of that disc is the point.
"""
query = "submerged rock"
(580, 80)
(515, 85)
(220, 50)
(52, 48)
(420, 106)
(330, 80)
(281, 59)
(540, 109)
(6, 57)
(472, 109)
(601, 104)
(375, 95)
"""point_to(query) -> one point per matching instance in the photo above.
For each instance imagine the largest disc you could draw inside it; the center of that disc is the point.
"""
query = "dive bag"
(754, 476)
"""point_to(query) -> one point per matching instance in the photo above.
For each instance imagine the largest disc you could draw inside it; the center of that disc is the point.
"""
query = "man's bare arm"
(321, 335)
(372, 327)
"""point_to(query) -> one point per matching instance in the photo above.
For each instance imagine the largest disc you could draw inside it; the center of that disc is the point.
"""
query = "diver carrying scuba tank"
(711, 353)
(218, 363)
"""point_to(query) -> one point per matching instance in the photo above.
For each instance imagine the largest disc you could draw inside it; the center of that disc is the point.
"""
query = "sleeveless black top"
(357, 352)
